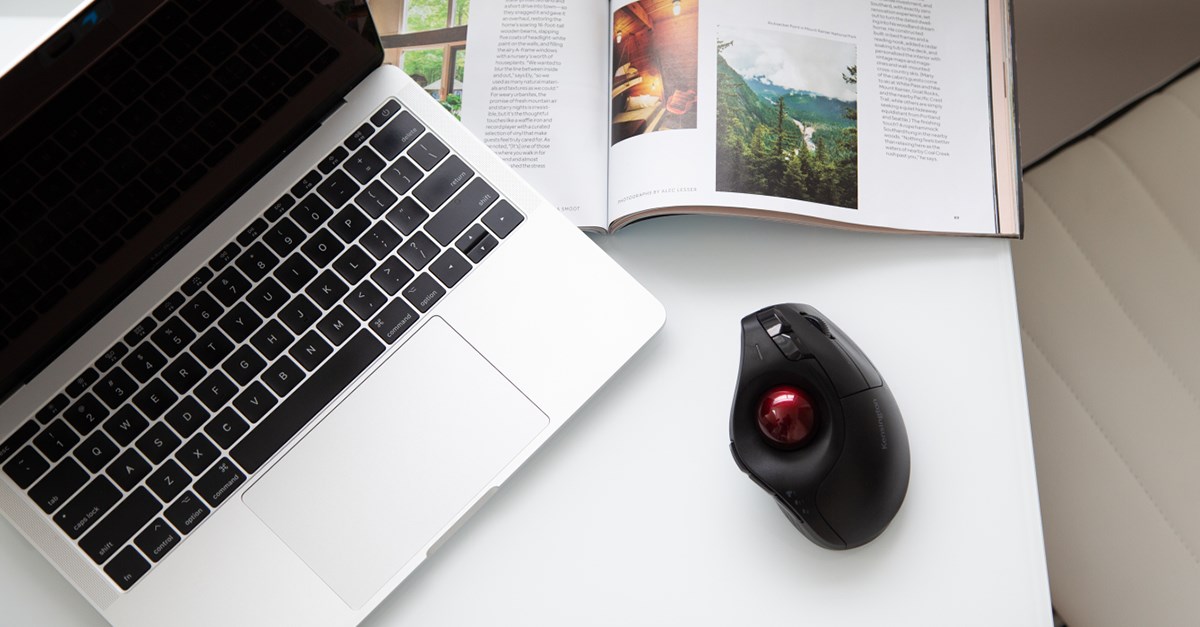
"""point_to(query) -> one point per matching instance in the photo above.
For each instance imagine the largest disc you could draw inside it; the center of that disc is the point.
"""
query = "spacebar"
(306, 402)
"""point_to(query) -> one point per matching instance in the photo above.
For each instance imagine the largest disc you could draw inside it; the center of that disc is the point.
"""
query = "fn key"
(127, 567)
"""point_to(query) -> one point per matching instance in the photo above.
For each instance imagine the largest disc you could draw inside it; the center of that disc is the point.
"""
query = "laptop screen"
(134, 125)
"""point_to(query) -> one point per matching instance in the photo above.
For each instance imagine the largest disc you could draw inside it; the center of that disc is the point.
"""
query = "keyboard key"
(243, 365)
(184, 373)
(56, 440)
(115, 388)
(240, 322)
(385, 113)
(255, 401)
(87, 507)
(172, 336)
(272, 339)
(443, 182)
(393, 138)
(251, 232)
(380, 240)
(154, 399)
(337, 325)
(216, 390)
(419, 250)
(229, 286)
(503, 218)
(187, 416)
(56, 487)
(364, 300)
(268, 297)
(201, 311)
(86, 414)
(299, 314)
(293, 414)
(393, 321)
(187, 512)
(25, 467)
(428, 151)
(222, 480)
(18, 438)
(310, 351)
(375, 199)
(391, 275)
(96, 451)
(471, 237)
(125, 425)
(197, 281)
(322, 248)
(305, 185)
(225, 257)
(111, 357)
(168, 481)
(482, 248)
(284, 237)
(197, 454)
(338, 189)
(295, 272)
(349, 223)
(117, 528)
(327, 289)
(461, 212)
(225, 428)
(311, 213)
(212, 347)
(450, 268)
(82, 382)
(158, 443)
(168, 306)
(48, 412)
(128, 469)
(283, 376)
(424, 292)
(364, 164)
(256, 261)
(127, 567)
(144, 362)
(402, 175)
(358, 136)
(155, 541)
(279, 208)
(407, 216)
(354, 264)
(332, 160)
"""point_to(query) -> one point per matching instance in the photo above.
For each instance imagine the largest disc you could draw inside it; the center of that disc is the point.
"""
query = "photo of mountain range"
(787, 116)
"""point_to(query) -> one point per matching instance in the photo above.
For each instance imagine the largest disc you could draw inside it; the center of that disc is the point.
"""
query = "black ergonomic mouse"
(815, 426)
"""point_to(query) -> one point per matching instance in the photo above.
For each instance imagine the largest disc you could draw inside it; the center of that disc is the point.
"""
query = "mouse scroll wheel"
(821, 325)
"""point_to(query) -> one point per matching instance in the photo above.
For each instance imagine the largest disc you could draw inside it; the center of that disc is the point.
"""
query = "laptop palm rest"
(395, 462)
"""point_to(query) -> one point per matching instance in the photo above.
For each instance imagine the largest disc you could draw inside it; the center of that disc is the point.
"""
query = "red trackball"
(785, 416)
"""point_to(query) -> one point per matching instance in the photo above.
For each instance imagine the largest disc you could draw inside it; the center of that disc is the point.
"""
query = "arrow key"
(450, 267)
(157, 540)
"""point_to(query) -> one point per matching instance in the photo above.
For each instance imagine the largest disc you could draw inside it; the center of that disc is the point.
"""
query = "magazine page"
(866, 112)
(525, 76)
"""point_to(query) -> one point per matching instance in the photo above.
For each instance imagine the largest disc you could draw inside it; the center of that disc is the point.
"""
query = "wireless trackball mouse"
(814, 425)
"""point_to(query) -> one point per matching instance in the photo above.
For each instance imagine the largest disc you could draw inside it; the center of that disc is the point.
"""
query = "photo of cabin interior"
(654, 67)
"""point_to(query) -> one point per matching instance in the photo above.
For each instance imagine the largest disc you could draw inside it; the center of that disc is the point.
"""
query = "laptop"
(272, 323)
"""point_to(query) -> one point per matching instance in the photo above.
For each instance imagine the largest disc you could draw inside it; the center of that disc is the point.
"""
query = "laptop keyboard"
(139, 449)
(145, 123)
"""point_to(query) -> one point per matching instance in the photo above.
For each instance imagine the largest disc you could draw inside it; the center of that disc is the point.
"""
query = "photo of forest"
(787, 116)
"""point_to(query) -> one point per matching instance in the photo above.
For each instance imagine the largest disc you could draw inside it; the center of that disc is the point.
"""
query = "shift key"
(459, 213)
(128, 518)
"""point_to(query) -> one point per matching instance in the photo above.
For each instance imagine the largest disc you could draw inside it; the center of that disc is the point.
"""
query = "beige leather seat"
(1108, 283)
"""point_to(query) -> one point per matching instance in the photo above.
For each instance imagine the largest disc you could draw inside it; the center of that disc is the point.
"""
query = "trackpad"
(395, 462)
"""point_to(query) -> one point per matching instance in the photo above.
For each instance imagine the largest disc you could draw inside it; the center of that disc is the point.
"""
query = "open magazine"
(867, 114)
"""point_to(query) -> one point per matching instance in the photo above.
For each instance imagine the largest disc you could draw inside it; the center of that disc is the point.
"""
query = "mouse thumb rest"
(846, 481)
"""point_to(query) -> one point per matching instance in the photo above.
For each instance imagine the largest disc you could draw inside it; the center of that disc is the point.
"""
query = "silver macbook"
(272, 323)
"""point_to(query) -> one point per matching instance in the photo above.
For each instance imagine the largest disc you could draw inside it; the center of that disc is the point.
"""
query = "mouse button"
(773, 322)
(809, 522)
(855, 356)
(788, 345)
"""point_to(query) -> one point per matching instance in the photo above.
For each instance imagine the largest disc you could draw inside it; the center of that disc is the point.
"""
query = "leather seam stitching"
(1116, 451)
(1119, 303)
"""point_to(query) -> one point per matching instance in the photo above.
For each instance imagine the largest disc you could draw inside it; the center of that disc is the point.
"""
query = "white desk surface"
(635, 513)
